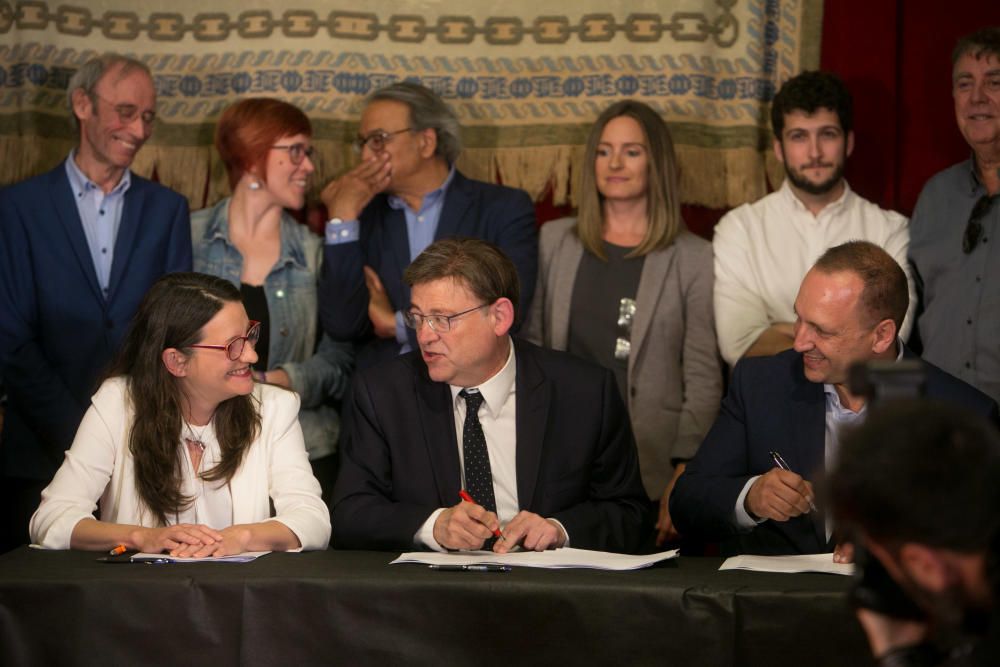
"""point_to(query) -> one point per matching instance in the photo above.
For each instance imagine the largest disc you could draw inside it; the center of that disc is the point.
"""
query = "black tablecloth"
(347, 608)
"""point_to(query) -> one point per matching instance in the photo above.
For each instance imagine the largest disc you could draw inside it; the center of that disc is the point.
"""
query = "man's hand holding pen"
(779, 495)
(465, 526)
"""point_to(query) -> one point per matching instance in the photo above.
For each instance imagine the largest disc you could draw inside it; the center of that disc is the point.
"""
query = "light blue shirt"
(100, 215)
(421, 226)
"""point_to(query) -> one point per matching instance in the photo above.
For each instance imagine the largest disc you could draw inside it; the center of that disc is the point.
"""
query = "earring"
(254, 185)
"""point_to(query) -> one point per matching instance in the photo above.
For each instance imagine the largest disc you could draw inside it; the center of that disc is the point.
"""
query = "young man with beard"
(763, 250)
(920, 485)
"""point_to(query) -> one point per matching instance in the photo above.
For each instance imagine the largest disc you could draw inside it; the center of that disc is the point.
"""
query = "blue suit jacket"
(772, 406)
(57, 331)
(503, 216)
(576, 459)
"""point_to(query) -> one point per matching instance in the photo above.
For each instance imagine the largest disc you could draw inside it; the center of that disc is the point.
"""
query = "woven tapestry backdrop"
(527, 79)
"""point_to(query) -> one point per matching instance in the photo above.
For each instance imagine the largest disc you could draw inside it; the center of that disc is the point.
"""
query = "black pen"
(780, 462)
(472, 568)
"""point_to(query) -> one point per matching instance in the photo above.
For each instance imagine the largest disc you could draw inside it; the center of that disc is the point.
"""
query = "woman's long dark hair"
(172, 315)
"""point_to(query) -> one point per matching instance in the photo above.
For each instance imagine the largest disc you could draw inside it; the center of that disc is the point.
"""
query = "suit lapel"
(655, 267)
(437, 423)
(532, 397)
(808, 446)
(457, 201)
(69, 218)
(569, 254)
(128, 229)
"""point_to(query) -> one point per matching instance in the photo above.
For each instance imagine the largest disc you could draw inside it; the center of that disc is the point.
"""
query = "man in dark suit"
(79, 246)
(544, 447)
(405, 194)
(849, 309)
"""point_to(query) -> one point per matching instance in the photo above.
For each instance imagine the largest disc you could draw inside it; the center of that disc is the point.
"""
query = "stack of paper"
(553, 559)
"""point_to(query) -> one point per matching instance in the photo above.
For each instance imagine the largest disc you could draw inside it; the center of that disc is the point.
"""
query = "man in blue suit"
(849, 309)
(79, 246)
(405, 194)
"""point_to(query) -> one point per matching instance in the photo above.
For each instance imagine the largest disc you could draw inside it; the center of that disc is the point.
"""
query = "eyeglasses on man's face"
(377, 140)
(974, 228)
(437, 323)
(127, 113)
(234, 348)
(296, 152)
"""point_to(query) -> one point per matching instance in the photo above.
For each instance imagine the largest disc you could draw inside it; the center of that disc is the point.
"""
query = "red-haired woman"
(251, 241)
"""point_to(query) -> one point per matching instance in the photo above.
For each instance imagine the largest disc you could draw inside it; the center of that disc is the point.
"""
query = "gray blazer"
(674, 373)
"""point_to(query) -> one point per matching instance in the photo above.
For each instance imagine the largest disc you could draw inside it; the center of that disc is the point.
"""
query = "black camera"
(874, 588)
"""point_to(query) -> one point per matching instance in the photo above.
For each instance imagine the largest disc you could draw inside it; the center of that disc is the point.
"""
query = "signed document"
(801, 563)
(552, 559)
(245, 557)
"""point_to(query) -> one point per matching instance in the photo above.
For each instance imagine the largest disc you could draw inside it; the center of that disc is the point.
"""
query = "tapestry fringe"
(26, 156)
(715, 178)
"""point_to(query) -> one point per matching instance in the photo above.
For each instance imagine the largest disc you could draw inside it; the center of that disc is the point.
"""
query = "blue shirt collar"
(430, 198)
(81, 183)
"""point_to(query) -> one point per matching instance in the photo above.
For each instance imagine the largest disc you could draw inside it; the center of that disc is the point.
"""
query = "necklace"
(193, 438)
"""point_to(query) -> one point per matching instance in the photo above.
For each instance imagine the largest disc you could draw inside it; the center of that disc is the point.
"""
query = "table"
(352, 608)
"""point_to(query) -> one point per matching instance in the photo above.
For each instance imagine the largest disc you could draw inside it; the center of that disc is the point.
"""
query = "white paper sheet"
(789, 564)
(244, 557)
(553, 559)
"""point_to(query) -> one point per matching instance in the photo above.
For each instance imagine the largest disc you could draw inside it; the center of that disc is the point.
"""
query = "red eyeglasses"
(234, 348)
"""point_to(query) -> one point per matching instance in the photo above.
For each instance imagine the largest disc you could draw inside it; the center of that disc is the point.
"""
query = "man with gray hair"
(405, 194)
(957, 215)
(79, 247)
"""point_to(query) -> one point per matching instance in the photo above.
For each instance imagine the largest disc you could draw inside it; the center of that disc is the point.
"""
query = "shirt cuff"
(425, 535)
(743, 518)
(564, 531)
(346, 231)
(401, 336)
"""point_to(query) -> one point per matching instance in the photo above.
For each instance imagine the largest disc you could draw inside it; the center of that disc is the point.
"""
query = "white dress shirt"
(764, 250)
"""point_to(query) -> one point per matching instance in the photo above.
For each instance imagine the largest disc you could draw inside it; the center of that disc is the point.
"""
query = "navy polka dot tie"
(478, 474)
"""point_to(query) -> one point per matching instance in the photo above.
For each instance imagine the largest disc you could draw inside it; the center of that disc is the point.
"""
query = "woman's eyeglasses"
(234, 348)
(296, 152)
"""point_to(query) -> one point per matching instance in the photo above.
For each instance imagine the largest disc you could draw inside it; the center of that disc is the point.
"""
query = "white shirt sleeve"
(743, 518)
(84, 474)
(425, 535)
(740, 311)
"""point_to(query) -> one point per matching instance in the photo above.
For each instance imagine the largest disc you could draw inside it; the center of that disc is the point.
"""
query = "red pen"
(467, 498)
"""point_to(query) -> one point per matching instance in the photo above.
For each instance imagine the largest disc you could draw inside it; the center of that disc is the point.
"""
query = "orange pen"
(120, 549)
(467, 498)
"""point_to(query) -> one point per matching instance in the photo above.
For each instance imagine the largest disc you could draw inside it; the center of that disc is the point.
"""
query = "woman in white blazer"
(180, 450)
(626, 285)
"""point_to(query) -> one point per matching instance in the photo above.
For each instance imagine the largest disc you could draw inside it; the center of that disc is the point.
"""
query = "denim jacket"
(317, 373)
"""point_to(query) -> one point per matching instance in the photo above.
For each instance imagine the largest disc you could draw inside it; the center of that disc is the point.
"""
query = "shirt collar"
(833, 398)
(81, 183)
(497, 388)
(430, 198)
(795, 202)
(975, 185)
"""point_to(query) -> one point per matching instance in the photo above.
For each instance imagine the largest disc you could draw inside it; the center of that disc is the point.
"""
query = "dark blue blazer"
(501, 215)
(58, 333)
(576, 459)
(772, 406)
